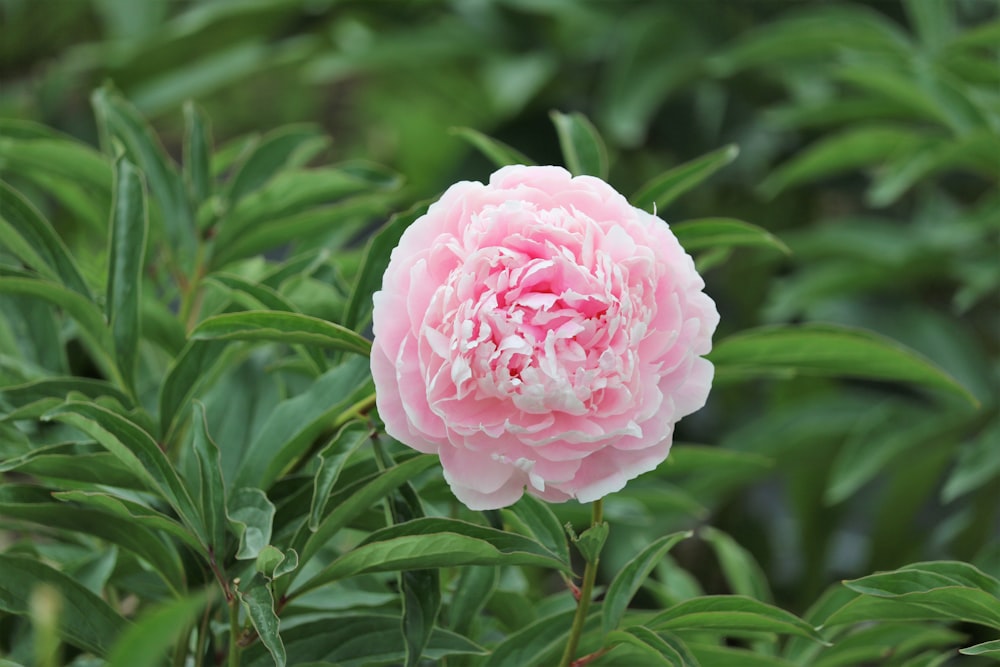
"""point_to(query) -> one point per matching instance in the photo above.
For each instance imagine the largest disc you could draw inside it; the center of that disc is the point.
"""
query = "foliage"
(192, 465)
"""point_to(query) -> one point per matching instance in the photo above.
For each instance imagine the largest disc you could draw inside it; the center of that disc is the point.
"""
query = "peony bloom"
(540, 332)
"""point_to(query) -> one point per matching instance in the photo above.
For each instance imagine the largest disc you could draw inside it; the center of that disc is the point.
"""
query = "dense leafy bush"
(193, 469)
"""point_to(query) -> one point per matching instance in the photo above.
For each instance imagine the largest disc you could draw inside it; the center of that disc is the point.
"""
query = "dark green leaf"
(743, 574)
(129, 226)
(59, 387)
(542, 523)
(30, 237)
(960, 603)
(197, 153)
(538, 644)
(250, 516)
(628, 581)
(332, 459)
(664, 189)
(374, 262)
(89, 622)
(648, 640)
(582, 146)
(192, 366)
(356, 640)
(826, 350)
(290, 145)
(499, 153)
(476, 584)
(591, 541)
(718, 655)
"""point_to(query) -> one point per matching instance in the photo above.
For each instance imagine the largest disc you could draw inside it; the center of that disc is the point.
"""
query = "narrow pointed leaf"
(543, 524)
(582, 147)
(33, 240)
(706, 233)
(256, 597)
(648, 640)
(274, 152)
(671, 184)
(826, 350)
(629, 580)
(91, 624)
(145, 643)
(332, 458)
(129, 227)
(732, 613)
(991, 648)
(742, 571)
(279, 327)
(212, 492)
(499, 153)
(197, 153)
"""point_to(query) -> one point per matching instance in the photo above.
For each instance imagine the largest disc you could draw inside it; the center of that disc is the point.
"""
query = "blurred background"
(869, 137)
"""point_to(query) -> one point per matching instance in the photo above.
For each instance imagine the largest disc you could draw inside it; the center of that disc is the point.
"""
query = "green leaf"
(664, 189)
(374, 262)
(129, 226)
(476, 584)
(421, 591)
(853, 148)
(258, 601)
(146, 641)
(873, 643)
(977, 464)
(280, 327)
(628, 581)
(826, 350)
(136, 449)
(732, 613)
(499, 153)
(718, 655)
(286, 146)
(296, 424)
(582, 146)
(32, 150)
(88, 623)
(90, 319)
(537, 516)
(538, 644)
(32, 239)
(37, 505)
(356, 639)
(59, 387)
(706, 233)
(433, 542)
(648, 640)
(197, 153)
(991, 648)
(959, 603)
(591, 541)
(250, 515)
(273, 563)
(184, 378)
(212, 491)
(363, 498)
(120, 121)
(332, 459)
(743, 574)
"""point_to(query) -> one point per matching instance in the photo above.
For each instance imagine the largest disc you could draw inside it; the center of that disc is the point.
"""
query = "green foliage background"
(184, 302)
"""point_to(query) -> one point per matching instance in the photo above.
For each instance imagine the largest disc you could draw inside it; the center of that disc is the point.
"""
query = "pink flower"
(540, 332)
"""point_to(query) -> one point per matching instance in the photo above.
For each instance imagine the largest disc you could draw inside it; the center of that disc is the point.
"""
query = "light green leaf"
(35, 504)
(88, 623)
(710, 656)
(255, 596)
(59, 387)
(280, 327)
(33, 150)
(476, 584)
(706, 233)
(287, 146)
(250, 515)
(591, 541)
(959, 603)
(212, 491)
(499, 153)
(732, 613)
(538, 644)
(146, 641)
(826, 350)
(32, 239)
(273, 563)
(664, 189)
(129, 227)
(582, 146)
(136, 449)
(628, 581)
(977, 464)
(192, 366)
(374, 262)
(991, 648)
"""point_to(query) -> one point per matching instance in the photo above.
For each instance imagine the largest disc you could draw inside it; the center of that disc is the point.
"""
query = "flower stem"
(586, 593)
(234, 629)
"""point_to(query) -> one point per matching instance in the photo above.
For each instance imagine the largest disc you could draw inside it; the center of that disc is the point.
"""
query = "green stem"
(586, 593)
(234, 629)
